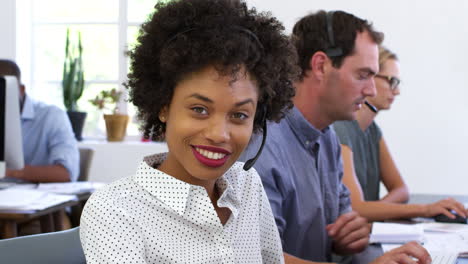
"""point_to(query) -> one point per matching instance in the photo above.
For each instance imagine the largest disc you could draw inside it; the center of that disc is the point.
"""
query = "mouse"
(445, 219)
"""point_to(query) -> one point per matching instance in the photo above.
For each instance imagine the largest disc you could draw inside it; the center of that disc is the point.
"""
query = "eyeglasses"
(392, 80)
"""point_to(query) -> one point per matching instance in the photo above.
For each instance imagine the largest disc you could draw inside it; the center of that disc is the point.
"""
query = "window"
(108, 28)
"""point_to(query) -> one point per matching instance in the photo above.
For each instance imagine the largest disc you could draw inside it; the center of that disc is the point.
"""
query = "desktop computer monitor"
(11, 145)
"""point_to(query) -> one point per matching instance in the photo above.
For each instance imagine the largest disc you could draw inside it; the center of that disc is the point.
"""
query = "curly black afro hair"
(185, 36)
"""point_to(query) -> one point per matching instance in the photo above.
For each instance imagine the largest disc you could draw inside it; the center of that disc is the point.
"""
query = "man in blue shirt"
(50, 149)
(301, 167)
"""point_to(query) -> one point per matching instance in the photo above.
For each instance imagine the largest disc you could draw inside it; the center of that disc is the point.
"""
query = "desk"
(50, 213)
(50, 219)
(78, 208)
(374, 251)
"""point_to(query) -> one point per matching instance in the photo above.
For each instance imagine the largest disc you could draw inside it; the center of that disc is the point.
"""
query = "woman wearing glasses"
(367, 160)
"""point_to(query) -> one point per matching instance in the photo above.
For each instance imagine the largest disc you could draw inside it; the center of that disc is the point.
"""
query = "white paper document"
(11, 198)
(446, 242)
(21, 199)
(48, 200)
(70, 187)
(393, 233)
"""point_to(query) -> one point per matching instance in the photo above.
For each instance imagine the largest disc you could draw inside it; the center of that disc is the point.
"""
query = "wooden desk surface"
(50, 217)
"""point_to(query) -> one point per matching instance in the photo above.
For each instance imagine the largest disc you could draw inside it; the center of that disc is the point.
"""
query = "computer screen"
(11, 144)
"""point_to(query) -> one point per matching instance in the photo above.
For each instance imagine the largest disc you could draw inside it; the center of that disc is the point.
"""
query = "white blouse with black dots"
(152, 217)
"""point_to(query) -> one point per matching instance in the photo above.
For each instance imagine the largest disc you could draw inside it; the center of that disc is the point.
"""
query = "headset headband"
(332, 51)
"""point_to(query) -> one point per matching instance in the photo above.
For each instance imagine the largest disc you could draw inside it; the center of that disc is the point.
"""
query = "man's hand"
(350, 233)
(409, 253)
(48, 173)
(19, 174)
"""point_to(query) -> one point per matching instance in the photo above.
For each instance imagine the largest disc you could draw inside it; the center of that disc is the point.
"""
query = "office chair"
(86, 158)
(48, 248)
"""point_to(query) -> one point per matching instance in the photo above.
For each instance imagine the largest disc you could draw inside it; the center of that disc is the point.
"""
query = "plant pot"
(77, 120)
(116, 127)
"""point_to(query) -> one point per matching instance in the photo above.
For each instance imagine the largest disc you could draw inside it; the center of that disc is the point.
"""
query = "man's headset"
(249, 163)
(332, 50)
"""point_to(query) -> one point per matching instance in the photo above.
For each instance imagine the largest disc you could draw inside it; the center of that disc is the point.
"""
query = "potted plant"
(116, 123)
(73, 84)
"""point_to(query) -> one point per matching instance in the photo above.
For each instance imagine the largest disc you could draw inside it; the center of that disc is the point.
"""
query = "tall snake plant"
(73, 75)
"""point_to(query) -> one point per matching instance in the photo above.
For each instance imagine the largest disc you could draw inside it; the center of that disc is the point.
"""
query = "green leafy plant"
(107, 100)
(73, 75)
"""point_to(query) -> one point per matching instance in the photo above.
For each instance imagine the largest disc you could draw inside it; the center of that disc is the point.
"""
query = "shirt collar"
(304, 130)
(229, 196)
(175, 193)
(28, 108)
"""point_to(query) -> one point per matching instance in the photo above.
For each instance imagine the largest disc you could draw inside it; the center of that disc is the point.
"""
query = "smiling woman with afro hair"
(205, 76)
(222, 33)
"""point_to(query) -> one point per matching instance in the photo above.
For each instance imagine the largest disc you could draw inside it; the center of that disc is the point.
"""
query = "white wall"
(112, 161)
(7, 29)
(427, 129)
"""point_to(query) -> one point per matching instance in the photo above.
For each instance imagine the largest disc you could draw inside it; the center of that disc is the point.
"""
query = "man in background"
(300, 166)
(50, 149)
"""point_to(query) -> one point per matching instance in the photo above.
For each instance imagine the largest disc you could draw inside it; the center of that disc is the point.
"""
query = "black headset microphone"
(371, 107)
(249, 163)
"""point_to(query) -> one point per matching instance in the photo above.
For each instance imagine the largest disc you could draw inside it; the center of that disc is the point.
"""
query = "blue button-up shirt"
(48, 138)
(301, 171)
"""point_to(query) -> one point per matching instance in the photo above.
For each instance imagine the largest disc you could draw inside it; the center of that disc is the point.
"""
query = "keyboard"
(12, 180)
(9, 182)
(4, 185)
(440, 257)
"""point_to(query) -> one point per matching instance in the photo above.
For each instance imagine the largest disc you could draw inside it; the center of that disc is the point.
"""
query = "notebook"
(392, 233)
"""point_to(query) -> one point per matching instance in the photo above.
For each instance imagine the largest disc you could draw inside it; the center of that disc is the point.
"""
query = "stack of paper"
(70, 187)
(48, 200)
(17, 198)
(392, 233)
(21, 199)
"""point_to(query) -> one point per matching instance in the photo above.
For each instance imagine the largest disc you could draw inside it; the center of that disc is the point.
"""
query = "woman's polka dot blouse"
(152, 217)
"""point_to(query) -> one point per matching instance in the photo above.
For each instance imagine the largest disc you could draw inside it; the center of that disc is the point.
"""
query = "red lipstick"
(214, 163)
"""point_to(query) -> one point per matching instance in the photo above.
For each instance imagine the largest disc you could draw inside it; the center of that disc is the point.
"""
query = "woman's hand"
(447, 207)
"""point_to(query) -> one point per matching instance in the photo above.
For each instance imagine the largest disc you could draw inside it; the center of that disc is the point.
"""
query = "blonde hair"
(385, 55)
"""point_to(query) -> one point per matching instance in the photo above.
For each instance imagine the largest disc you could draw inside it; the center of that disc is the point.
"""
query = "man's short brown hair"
(310, 35)
(8, 67)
